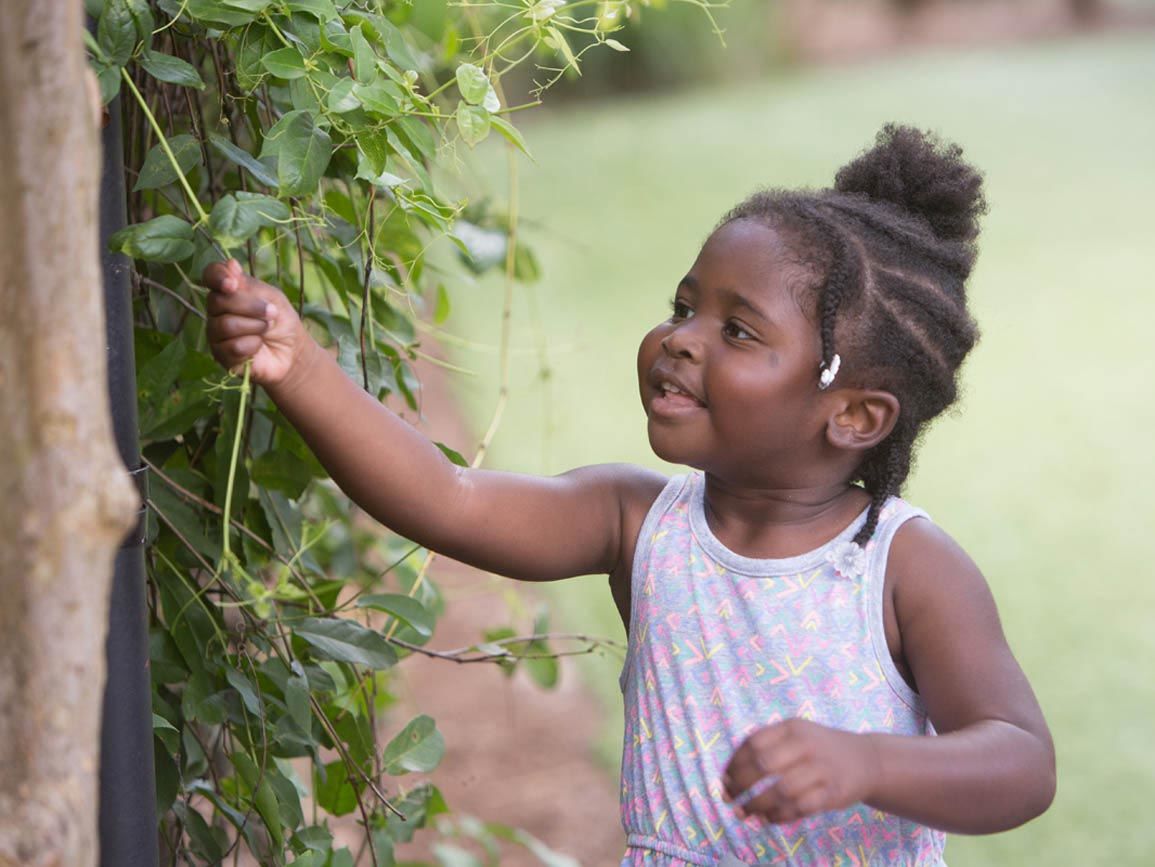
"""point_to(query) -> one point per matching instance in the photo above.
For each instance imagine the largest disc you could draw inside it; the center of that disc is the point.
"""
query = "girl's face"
(730, 381)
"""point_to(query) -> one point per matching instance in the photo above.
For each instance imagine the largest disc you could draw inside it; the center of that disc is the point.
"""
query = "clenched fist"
(797, 768)
(248, 319)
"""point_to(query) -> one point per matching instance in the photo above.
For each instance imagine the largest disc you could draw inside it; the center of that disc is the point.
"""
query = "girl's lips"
(673, 405)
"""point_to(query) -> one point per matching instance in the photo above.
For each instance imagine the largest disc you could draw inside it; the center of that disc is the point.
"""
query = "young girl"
(816, 673)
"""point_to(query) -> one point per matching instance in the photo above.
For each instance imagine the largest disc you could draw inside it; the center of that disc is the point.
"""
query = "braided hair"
(886, 253)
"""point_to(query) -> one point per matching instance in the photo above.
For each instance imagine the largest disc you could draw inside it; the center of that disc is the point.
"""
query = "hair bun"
(915, 171)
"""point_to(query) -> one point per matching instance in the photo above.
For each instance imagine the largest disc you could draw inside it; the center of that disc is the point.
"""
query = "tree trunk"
(65, 498)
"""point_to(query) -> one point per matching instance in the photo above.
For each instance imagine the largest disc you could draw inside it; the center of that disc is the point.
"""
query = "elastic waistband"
(641, 841)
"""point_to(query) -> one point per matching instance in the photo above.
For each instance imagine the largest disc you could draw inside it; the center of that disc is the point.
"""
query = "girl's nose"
(682, 342)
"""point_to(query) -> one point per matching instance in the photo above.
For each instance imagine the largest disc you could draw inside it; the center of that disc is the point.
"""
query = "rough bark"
(65, 498)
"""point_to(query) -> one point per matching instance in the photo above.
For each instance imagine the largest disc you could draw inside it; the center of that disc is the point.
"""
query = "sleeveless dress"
(721, 645)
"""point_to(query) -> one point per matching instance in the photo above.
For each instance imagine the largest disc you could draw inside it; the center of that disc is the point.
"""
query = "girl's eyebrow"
(739, 300)
(732, 296)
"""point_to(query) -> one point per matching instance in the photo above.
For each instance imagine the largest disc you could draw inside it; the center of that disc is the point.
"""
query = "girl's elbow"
(1044, 785)
(1048, 788)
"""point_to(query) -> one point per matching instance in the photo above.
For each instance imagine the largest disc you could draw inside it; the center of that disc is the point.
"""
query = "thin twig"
(176, 296)
(462, 657)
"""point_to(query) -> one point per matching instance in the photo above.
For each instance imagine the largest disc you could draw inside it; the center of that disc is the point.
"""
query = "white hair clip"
(828, 373)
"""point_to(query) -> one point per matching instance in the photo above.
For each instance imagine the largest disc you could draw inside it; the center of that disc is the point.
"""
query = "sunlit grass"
(1045, 473)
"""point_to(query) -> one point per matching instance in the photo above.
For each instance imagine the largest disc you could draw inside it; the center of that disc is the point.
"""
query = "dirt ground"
(516, 754)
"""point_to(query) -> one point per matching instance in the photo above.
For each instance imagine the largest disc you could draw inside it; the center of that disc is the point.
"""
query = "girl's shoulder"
(639, 488)
(928, 569)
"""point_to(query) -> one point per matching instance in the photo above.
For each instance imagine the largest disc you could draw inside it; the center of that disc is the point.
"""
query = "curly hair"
(886, 253)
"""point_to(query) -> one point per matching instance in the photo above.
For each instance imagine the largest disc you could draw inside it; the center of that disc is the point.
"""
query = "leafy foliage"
(301, 136)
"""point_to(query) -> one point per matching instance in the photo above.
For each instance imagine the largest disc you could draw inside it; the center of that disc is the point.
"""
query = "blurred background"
(1044, 473)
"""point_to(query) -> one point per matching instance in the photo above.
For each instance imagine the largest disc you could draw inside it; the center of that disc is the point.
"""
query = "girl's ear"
(862, 418)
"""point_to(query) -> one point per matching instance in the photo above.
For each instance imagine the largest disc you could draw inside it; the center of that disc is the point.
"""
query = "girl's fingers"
(220, 277)
(235, 351)
(786, 804)
(222, 328)
(240, 304)
(755, 760)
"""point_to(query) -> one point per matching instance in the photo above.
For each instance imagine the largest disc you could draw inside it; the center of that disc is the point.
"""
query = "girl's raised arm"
(526, 527)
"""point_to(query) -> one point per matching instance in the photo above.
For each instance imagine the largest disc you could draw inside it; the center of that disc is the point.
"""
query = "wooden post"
(66, 500)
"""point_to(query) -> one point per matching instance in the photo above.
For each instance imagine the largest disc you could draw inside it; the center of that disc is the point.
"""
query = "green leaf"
(418, 747)
(511, 134)
(615, 45)
(302, 151)
(163, 239)
(544, 670)
(208, 842)
(247, 692)
(421, 804)
(116, 32)
(255, 42)
(334, 793)
(405, 608)
(234, 13)
(472, 83)
(158, 170)
(440, 314)
(346, 641)
(525, 267)
(284, 472)
(322, 10)
(297, 702)
(264, 798)
(380, 97)
(201, 700)
(236, 217)
(243, 158)
(168, 734)
(167, 776)
(473, 121)
(165, 67)
(108, 77)
(556, 39)
(286, 63)
(169, 411)
(364, 58)
(419, 136)
(341, 97)
(288, 788)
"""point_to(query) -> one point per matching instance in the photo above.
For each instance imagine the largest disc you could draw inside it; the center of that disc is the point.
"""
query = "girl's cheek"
(648, 351)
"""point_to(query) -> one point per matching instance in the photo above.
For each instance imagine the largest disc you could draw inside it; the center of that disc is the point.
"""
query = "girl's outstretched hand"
(797, 768)
(248, 319)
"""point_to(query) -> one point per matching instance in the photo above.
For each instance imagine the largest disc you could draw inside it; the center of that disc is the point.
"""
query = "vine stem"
(204, 217)
(503, 388)
(226, 552)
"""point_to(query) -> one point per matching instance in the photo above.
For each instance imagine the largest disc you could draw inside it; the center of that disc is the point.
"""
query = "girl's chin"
(670, 450)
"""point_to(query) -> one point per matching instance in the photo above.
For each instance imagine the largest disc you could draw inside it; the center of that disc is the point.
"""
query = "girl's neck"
(776, 522)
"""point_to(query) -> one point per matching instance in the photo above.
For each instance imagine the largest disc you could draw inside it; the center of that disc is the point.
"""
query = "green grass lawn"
(1044, 474)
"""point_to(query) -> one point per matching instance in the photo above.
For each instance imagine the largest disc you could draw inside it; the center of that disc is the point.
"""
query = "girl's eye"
(736, 331)
(681, 309)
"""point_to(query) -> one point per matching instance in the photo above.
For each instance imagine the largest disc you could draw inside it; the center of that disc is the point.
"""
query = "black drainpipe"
(128, 831)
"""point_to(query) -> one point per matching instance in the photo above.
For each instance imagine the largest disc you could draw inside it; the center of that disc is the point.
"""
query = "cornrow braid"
(839, 275)
(887, 252)
(894, 451)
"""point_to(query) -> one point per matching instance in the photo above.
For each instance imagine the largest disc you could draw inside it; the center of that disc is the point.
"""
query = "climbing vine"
(308, 139)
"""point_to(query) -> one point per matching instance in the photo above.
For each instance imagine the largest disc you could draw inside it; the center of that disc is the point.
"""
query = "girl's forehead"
(752, 259)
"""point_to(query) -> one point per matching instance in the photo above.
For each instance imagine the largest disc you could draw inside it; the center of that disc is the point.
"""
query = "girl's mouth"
(672, 401)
